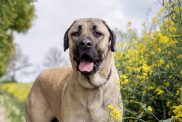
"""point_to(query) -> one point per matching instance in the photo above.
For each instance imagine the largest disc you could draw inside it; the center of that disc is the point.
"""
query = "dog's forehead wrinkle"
(88, 25)
(94, 27)
(77, 27)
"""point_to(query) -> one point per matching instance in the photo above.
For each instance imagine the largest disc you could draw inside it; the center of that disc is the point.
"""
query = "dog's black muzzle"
(86, 50)
(85, 44)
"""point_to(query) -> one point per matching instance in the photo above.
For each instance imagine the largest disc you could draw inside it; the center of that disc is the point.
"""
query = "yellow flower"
(159, 91)
(118, 55)
(169, 52)
(160, 62)
(142, 78)
(177, 112)
(179, 56)
(167, 84)
(172, 29)
(123, 79)
(152, 53)
(159, 49)
(129, 68)
(166, 22)
(137, 69)
(181, 72)
(149, 108)
(177, 9)
(114, 113)
(164, 39)
(142, 48)
(171, 23)
(178, 92)
(154, 20)
(111, 107)
(145, 68)
(169, 65)
(162, 9)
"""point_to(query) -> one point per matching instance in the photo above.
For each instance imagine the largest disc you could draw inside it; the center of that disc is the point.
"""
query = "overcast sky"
(53, 17)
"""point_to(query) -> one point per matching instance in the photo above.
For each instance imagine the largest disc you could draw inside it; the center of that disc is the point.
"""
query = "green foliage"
(150, 69)
(15, 16)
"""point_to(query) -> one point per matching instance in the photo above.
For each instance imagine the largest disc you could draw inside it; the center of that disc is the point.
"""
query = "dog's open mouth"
(87, 61)
(87, 64)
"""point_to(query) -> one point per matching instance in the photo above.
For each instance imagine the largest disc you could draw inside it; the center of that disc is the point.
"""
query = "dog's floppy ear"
(66, 39)
(112, 37)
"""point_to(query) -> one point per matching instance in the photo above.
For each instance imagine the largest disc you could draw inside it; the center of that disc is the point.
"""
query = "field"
(12, 97)
(149, 67)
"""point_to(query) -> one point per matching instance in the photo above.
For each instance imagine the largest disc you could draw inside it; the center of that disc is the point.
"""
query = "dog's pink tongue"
(86, 66)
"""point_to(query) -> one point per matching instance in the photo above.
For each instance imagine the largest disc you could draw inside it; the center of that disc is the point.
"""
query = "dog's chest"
(85, 107)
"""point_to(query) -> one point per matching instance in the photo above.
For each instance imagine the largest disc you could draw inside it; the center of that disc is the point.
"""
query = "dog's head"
(89, 41)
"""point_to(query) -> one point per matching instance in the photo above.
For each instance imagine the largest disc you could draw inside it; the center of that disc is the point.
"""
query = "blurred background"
(148, 57)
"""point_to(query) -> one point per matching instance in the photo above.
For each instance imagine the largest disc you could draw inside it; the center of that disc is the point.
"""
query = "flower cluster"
(177, 112)
(114, 113)
(123, 79)
(150, 67)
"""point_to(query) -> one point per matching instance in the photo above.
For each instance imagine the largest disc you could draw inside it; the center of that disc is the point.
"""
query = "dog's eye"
(75, 34)
(97, 34)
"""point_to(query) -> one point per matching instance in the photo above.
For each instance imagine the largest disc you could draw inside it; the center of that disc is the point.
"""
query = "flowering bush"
(150, 68)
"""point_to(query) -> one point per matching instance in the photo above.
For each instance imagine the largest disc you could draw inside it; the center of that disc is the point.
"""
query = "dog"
(83, 92)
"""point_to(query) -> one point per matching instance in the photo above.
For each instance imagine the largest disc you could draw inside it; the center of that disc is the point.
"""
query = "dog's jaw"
(100, 77)
(87, 62)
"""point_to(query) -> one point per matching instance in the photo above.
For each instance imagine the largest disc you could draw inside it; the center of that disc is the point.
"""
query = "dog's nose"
(85, 43)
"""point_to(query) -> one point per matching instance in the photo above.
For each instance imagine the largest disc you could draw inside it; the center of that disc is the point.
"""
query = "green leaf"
(167, 120)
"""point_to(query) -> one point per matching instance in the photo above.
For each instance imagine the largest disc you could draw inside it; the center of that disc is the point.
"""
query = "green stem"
(133, 118)
(164, 110)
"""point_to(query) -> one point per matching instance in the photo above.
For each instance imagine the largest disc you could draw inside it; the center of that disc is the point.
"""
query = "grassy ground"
(12, 97)
(3, 117)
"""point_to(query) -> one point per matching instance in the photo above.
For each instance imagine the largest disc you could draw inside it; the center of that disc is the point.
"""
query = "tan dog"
(81, 93)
